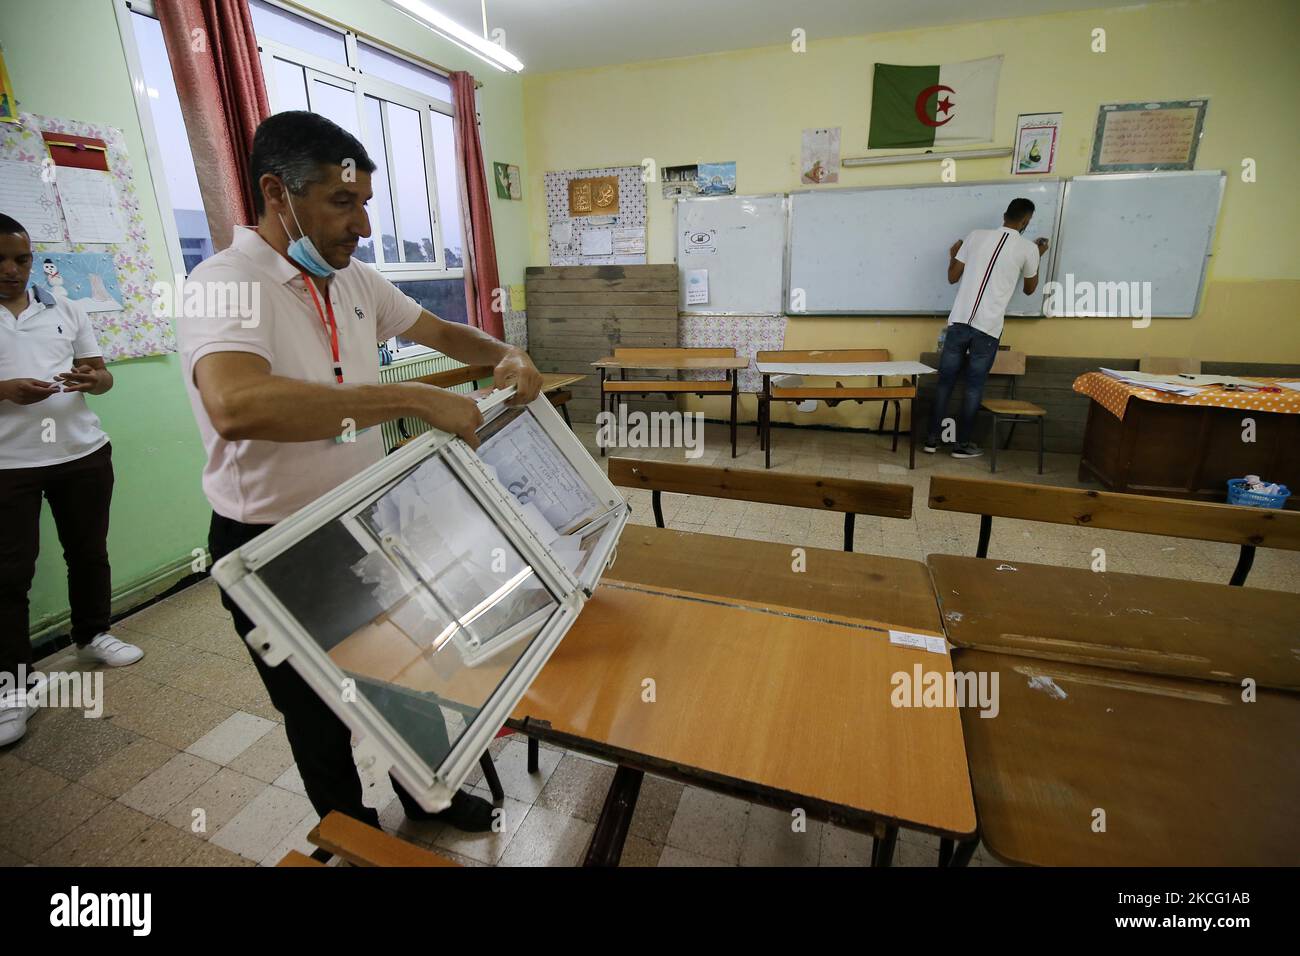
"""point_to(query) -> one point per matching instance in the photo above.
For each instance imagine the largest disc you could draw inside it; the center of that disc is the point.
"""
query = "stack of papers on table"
(1160, 383)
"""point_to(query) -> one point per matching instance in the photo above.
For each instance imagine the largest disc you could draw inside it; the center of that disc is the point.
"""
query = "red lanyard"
(330, 326)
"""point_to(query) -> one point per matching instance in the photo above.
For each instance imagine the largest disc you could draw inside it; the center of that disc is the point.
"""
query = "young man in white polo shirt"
(51, 445)
(275, 391)
(989, 263)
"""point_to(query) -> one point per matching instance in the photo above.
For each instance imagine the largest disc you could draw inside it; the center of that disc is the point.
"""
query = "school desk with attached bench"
(768, 685)
(1142, 721)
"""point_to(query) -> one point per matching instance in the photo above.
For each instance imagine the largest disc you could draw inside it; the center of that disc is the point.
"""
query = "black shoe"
(467, 812)
(931, 446)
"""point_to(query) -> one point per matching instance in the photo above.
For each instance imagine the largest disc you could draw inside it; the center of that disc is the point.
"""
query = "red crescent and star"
(944, 105)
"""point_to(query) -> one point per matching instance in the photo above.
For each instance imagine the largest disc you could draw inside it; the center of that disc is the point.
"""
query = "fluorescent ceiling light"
(493, 53)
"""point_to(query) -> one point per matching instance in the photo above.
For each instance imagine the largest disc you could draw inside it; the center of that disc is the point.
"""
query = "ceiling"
(551, 35)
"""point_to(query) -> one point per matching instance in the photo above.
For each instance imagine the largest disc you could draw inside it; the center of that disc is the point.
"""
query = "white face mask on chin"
(302, 250)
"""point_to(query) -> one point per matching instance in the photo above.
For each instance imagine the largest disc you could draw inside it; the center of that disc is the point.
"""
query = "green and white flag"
(934, 105)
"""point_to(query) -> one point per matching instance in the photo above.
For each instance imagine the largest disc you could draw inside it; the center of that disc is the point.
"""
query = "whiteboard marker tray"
(420, 598)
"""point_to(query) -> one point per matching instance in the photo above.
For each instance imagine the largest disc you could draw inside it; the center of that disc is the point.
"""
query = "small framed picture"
(509, 184)
(1035, 146)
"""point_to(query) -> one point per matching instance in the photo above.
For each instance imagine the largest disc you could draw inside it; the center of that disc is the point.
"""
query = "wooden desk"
(1152, 727)
(837, 586)
(845, 363)
(671, 360)
(788, 706)
(1160, 444)
(1186, 773)
(1129, 622)
(691, 363)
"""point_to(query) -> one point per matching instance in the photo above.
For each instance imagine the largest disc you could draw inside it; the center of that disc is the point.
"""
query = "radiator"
(399, 429)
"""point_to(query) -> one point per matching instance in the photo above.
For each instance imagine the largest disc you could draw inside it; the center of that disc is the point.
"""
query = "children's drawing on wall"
(86, 278)
(820, 156)
(716, 179)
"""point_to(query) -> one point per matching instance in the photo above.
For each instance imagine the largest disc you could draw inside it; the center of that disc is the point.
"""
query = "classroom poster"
(679, 182)
(1146, 136)
(1035, 143)
(88, 279)
(819, 157)
(509, 184)
(716, 179)
(133, 330)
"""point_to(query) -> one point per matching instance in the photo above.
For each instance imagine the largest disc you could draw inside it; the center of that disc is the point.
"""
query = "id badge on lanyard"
(332, 333)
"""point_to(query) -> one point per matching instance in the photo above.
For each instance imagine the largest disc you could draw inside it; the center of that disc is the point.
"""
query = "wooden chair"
(1011, 409)
(833, 395)
(849, 496)
(1199, 520)
(361, 845)
(613, 390)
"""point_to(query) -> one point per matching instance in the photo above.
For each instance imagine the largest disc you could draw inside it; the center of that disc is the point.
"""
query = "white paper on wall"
(598, 242)
(90, 205)
(25, 196)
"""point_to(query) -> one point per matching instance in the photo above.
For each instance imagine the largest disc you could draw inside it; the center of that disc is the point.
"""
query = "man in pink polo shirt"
(276, 391)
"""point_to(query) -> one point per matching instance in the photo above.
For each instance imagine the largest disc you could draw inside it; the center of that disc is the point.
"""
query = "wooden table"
(769, 685)
(1129, 622)
(679, 363)
(1122, 694)
(844, 363)
(1166, 446)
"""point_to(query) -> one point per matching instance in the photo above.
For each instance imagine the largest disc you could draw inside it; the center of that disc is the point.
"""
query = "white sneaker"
(107, 649)
(14, 711)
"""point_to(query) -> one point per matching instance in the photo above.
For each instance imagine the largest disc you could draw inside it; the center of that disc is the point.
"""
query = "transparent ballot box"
(421, 598)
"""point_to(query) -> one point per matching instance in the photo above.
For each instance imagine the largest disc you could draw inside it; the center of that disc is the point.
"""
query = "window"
(187, 211)
(401, 112)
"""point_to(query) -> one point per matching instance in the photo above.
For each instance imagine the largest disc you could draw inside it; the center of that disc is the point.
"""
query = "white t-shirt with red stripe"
(996, 260)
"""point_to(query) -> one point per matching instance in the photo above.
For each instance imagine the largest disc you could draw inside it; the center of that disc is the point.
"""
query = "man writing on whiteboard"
(989, 263)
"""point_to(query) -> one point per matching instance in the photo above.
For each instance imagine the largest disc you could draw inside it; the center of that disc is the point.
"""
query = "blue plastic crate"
(1238, 494)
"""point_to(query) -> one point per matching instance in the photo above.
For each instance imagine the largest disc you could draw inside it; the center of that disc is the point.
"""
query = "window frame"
(344, 75)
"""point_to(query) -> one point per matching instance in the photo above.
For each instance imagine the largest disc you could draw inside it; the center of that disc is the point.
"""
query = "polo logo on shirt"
(360, 315)
(60, 328)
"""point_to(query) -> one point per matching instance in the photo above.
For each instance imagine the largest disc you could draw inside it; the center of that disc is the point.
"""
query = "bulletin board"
(132, 330)
(583, 240)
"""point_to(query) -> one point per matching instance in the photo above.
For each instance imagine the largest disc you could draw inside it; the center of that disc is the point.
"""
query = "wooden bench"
(846, 495)
(362, 845)
(1246, 527)
(675, 359)
(833, 395)
(1012, 409)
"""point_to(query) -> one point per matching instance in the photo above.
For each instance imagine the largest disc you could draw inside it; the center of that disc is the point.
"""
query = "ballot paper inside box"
(421, 598)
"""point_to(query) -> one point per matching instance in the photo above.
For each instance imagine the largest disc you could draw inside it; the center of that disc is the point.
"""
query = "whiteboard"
(740, 240)
(1140, 227)
(885, 250)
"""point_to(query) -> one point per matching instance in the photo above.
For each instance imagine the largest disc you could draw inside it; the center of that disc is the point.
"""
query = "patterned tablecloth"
(1113, 395)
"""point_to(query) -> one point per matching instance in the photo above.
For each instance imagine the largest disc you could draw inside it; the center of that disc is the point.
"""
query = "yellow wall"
(751, 106)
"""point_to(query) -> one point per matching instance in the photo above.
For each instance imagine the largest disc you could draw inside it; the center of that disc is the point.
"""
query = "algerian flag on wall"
(934, 105)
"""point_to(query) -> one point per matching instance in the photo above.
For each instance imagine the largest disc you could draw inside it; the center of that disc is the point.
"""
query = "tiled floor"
(189, 764)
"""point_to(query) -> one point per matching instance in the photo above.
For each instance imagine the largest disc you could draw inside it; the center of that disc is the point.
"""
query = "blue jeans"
(982, 348)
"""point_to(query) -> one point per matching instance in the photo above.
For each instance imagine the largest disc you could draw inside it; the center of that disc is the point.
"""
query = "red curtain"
(213, 53)
(481, 277)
